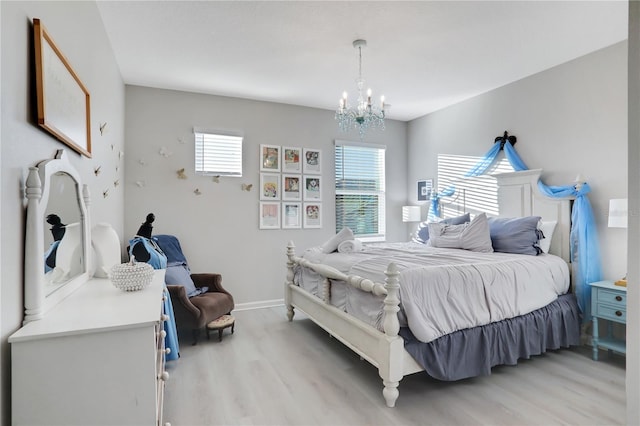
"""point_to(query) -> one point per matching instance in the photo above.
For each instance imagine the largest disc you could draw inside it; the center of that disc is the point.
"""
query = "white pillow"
(473, 236)
(547, 227)
(332, 244)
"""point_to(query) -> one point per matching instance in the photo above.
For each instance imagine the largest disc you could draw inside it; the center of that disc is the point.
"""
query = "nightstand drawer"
(611, 313)
(613, 298)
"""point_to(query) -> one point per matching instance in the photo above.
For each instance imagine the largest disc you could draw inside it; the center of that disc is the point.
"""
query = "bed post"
(287, 290)
(390, 369)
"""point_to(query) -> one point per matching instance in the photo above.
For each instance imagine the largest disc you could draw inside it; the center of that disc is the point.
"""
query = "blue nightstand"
(609, 302)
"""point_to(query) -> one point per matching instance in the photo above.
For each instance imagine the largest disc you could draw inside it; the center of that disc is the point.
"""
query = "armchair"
(197, 298)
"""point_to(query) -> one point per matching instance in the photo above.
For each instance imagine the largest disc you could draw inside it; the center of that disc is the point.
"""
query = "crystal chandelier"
(364, 115)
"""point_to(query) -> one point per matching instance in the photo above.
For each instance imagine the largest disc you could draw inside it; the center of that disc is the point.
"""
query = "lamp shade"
(618, 212)
(411, 213)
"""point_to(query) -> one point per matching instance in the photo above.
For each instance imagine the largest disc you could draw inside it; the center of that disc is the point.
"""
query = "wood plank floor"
(272, 372)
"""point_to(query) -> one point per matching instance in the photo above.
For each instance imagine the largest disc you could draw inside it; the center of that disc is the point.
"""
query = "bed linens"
(443, 290)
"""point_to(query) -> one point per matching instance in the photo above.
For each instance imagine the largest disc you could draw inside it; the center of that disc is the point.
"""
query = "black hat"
(146, 227)
(57, 228)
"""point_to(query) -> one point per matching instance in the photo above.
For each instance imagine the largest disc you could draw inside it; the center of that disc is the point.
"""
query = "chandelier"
(364, 115)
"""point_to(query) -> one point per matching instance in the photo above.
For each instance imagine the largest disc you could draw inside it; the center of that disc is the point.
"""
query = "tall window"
(473, 194)
(218, 154)
(360, 189)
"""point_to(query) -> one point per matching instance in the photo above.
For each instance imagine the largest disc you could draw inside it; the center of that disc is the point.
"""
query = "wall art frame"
(291, 159)
(291, 187)
(269, 186)
(269, 215)
(425, 187)
(312, 215)
(312, 161)
(291, 215)
(63, 101)
(312, 188)
(269, 158)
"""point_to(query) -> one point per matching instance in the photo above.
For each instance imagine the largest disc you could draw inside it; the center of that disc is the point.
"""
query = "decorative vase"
(106, 247)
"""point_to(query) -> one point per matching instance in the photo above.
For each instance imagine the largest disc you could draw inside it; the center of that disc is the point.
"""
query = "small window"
(218, 154)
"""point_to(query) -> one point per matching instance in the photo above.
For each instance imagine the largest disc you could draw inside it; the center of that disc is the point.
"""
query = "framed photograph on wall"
(312, 189)
(269, 158)
(291, 160)
(269, 215)
(312, 215)
(291, 187)
(62, 100)
(269, 186)
(291, 215)
(424, 189)
(312, 161)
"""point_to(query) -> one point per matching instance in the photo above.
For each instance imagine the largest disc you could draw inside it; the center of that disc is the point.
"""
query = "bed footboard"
(383, 350)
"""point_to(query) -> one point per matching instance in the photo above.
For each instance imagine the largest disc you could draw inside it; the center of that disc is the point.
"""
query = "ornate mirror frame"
(38, 189)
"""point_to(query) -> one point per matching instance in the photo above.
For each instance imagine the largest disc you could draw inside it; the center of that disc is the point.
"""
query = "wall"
(218, 229)
(77, 29)
(569, 120)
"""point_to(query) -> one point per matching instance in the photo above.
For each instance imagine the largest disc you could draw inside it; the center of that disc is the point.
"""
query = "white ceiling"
(422, 55)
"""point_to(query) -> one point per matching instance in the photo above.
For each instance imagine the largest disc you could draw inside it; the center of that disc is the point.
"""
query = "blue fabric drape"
(585, 248)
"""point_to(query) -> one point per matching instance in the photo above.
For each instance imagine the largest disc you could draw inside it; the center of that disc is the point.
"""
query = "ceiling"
(422, 55)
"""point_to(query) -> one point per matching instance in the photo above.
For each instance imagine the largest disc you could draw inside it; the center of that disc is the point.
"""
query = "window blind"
(360, 189)
(473, 194)
(218, 154)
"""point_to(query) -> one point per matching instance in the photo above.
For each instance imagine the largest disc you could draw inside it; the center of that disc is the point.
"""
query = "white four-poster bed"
(518, 196)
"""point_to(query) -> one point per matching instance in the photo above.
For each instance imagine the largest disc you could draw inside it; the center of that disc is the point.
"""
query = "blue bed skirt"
(473, 352)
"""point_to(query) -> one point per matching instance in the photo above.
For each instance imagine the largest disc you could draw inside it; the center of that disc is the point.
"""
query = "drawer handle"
(167, 351)
(619, 298)
(164, 376)
(618, 313)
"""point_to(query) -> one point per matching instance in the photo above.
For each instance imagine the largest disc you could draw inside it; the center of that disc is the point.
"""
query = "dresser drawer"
(612, 298)
(618, 314)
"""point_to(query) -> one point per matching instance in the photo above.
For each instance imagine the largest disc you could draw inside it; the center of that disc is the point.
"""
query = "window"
(473, 194)
(218, 154)
(360, 186)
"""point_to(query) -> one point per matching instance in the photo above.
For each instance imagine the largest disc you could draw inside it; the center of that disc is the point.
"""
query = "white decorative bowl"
(131, 276)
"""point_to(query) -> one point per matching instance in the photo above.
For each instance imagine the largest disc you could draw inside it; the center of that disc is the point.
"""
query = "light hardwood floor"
(272, 372)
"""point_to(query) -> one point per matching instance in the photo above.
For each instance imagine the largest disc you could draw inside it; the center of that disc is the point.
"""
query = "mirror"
(57, 238)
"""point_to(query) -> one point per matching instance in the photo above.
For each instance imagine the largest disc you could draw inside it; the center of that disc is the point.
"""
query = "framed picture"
(312, 215)
(291, 160)
(291, 187)
(269, 186)
(291, 215)
(269, 215)
(63, 101)
(269, 158)
(424, 189)
(312, 189)
(312, 161)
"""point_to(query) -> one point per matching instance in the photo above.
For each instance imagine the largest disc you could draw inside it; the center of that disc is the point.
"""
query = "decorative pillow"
(517, 235)
(546, 228)
(473, 236)
(422, 234)
(332, 244)
(180, 275)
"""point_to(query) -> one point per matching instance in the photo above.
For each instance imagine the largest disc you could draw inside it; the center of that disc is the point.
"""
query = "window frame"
(233, 145)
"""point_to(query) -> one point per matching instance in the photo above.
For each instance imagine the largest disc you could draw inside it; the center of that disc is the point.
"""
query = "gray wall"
(76, 28)
(218, 229)
(569, 120)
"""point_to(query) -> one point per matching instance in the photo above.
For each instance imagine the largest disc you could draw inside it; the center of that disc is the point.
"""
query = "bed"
(388, 339)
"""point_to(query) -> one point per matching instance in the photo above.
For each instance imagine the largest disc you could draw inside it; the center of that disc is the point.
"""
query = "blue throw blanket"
(171, 248)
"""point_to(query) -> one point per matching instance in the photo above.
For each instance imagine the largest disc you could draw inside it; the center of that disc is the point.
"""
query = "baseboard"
(258, 305)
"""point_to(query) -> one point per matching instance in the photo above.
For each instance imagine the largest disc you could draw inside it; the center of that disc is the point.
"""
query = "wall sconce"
(411, 213)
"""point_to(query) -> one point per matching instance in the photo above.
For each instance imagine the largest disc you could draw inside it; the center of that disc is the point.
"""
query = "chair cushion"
(212, 305)
(180, 275)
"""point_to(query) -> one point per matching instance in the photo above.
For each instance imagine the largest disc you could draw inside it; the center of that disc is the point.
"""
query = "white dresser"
(96, 358)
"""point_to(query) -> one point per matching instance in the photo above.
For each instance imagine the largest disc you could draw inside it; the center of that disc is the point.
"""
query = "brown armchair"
(197, 311)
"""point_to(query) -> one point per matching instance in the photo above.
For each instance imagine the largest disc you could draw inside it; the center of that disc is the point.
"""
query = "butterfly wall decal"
(247, 187)
(103, 128)
(181, 174)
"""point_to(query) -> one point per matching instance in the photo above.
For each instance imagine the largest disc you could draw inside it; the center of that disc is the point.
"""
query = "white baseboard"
(259, 305)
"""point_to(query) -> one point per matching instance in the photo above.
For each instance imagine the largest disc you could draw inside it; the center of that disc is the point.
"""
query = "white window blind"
(473, 194)
(360, 189)
(218, 154)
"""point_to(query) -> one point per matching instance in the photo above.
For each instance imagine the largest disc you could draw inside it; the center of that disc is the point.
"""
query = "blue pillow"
(517, 235)
(422, 236)
(180, 275)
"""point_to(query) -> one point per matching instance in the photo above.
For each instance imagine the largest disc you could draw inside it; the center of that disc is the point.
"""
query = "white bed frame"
(518, 196)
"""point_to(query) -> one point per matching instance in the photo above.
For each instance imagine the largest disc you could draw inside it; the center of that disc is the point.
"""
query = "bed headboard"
(518, 195)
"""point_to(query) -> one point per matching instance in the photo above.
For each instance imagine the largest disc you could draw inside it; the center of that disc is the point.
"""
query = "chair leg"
(196, 334)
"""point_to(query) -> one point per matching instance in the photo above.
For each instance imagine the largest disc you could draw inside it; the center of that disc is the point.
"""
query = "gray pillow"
(422, 235)
(473, 236)
(180, 275)
(517, 235)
